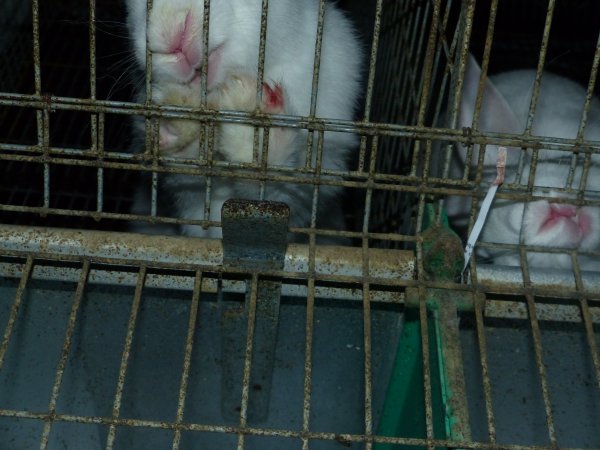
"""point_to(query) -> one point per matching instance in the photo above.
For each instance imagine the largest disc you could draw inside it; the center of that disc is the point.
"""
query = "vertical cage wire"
(75, 309)
(135, 307)
(188, 356)
(588, 324)
(487, 388)
(540, 67)
(248, 358)
(15, 309)
(436, 44)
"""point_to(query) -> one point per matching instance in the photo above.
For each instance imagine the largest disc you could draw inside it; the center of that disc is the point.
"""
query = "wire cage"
(360, 334)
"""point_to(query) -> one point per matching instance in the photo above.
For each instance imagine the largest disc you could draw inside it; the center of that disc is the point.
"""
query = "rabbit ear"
(495, 115)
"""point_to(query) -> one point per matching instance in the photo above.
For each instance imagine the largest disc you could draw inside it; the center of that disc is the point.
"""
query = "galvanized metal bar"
(46, 185)
(310, 312)
(154, 195)
(392, 34)
(424, 331)
(454, 389)
(541, 368)
(346, 126)
(206, 223)
(423, 320)
(317, 59)
(315, 193)
(189, 345)
(393, 267)
(540, 67)
(135, 306)
(205, 48)
(426, 79)
(539, 353)
(60, 369)
(410, 89)
(308, 165)
(409, 94)
(264, 163)
(100, 190)
(487, 49)
(571, 174)
(96, 120)
(443, 49)
(380, 181)
(548, 282)
(545, 311)
(315, 82)
(37, 77)
(367, 336)
(149, 137)
(250, 335)
(588, 323)
(14, 310)
(92, 67)
(368, 363)
(312, 237)
(480, 301)
(412, 68)
(100, 176)
(332, 263)
(260, 74)
(428, 63)
(269, 432)
(373, 60)
(254, 238)
(421, 34)
(590, 91)
(211, 285)
(589, 329)
(310, 320)
(148, 67)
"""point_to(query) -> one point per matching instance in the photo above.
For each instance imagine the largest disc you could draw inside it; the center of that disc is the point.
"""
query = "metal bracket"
(254, 239)
(442, 261)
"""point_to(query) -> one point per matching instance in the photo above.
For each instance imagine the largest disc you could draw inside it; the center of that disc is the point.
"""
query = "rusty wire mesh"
(65, 161)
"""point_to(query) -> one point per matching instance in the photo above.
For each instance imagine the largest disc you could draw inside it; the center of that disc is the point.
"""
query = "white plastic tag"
(485, 206)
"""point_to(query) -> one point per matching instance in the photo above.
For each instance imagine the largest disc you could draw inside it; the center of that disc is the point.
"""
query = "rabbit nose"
(562, 210)
(184, 45)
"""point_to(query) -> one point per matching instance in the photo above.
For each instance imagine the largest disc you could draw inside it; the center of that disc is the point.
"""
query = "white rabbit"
(175, 41)
(179, 138)
(539, 223)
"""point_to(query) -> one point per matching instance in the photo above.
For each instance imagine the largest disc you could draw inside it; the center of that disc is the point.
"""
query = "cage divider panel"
(254, 238)
(404, 413)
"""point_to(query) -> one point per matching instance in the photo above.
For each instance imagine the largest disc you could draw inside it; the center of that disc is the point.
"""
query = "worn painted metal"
(254, 237)
(423, 280)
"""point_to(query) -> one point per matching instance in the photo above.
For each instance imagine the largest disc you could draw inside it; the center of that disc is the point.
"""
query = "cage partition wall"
(359, 335)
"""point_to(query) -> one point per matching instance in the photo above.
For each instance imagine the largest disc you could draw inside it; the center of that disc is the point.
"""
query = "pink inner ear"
(273, 98)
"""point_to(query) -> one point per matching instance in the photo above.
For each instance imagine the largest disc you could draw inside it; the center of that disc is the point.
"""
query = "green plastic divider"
(403, 412)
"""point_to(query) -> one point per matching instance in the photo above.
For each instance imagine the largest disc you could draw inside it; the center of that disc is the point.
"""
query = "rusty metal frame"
(363, 274)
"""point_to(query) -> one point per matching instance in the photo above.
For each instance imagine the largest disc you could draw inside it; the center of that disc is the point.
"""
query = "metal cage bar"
(135, 306)
(416, 69)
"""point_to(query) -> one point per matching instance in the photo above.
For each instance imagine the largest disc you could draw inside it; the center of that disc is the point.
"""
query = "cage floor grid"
(154, 372)
(79, 410)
